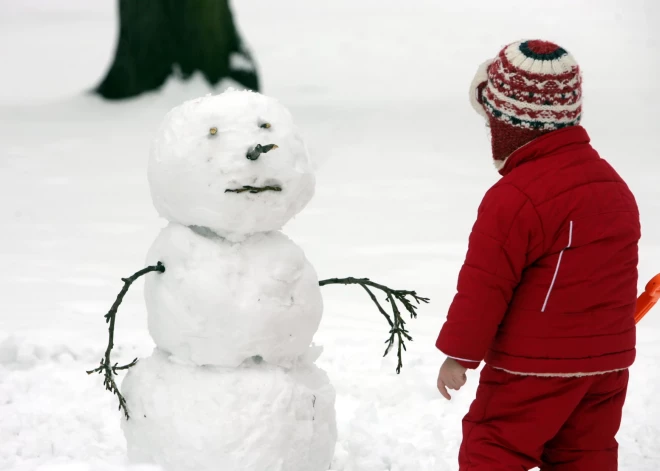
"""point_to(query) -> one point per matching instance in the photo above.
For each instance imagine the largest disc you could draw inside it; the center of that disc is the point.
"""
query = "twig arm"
(106, 367)
(396, 322)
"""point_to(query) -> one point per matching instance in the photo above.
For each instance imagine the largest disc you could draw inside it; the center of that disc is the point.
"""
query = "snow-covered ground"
(380, 89)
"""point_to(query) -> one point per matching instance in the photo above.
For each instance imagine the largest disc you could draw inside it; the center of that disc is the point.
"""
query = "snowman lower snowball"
(231, 384)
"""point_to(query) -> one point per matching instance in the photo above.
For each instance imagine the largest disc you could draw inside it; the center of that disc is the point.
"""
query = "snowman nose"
(254, 154)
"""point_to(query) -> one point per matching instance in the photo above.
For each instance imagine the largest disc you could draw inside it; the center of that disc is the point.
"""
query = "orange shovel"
(648, 298)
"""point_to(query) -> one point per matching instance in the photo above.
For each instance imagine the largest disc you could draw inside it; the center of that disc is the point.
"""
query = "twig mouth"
(254, 189)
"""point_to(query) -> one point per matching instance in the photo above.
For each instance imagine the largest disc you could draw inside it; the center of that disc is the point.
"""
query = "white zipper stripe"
(561, 255)
(463, 359)
(554, 278)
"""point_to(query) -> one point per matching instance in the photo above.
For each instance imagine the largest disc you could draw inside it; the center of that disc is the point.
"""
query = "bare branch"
(105, 367)
(397, 324)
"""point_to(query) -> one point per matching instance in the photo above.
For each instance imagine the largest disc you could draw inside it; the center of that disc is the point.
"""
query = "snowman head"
(234, 163)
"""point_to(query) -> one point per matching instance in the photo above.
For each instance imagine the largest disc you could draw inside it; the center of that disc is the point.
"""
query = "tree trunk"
(160, 37)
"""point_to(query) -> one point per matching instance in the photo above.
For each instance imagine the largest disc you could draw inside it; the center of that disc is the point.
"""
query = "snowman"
(232, 384)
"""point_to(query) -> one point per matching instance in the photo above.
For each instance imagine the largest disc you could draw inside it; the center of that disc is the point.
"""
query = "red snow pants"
(558, 424)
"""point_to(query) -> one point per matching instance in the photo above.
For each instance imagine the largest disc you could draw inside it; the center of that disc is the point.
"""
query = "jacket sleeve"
(507, 229)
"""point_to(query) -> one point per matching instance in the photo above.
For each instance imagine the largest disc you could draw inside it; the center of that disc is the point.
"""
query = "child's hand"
(451, 376)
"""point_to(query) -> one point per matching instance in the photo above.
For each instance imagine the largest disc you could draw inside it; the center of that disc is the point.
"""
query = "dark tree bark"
(160, 37)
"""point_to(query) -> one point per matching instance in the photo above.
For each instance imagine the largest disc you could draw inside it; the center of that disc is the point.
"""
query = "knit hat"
(531, 88)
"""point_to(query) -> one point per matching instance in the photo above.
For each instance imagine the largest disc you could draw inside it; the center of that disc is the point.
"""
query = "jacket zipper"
(561, 255)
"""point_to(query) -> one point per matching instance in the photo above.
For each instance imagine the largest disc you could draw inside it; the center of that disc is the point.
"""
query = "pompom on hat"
(531, 88)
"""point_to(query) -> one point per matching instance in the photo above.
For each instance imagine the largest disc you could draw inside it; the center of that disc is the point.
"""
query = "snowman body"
(255, 417)
(223, 302)
(232, 383)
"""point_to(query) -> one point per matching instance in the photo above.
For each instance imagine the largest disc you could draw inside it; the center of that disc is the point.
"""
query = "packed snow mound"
(220, 303)
(257, 417)
(201, 151)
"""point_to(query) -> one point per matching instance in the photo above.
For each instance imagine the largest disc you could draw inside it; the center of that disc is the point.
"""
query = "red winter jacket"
(549, 283)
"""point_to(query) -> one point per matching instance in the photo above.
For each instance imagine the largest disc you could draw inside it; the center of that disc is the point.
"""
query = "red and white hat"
(534, 85)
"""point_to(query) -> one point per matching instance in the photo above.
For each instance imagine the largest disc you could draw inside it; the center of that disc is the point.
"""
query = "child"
(547, 293)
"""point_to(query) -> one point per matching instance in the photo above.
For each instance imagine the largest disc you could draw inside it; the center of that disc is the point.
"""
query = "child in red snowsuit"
(546, 296)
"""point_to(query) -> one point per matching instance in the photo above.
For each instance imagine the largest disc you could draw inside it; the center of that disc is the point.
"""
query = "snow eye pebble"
(265, 126)
(213, 131)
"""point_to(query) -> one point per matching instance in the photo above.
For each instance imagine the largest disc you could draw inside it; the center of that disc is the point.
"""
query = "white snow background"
(380, 89)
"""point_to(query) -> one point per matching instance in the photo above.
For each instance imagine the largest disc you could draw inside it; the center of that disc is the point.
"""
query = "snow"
(200, 152)
(221, 303)
(251, 418)
(380, 94)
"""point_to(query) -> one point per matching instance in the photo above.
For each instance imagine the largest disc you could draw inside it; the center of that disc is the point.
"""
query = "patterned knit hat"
(532, 85)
